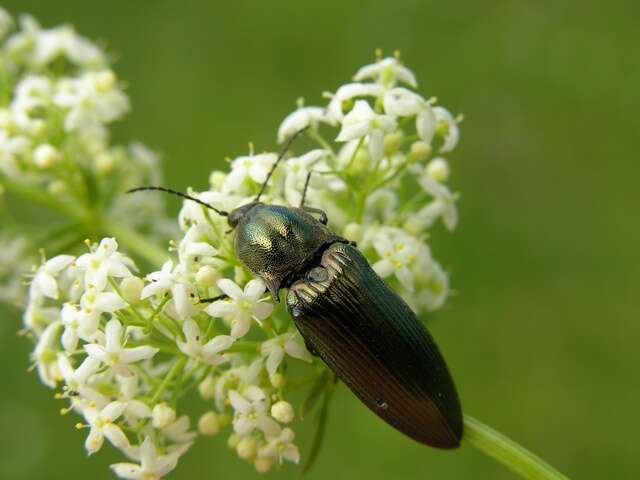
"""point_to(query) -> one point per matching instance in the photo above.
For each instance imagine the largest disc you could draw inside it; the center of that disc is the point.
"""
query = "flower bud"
(392, 142)
(438, 169)
(414, 226)
(105, 163)
(163, 415)
(282, 411)
(45, 156)
(246, 448)
(207, 388)
(131, 288)
(209, 423)
(233, 440)
(105, 80)
(419, 151)
(353, 231)
(263, 464)
(207, 276)
(216, 180)
(277, 380)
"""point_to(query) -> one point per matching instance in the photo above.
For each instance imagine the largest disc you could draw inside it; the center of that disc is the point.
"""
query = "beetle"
(348, 316)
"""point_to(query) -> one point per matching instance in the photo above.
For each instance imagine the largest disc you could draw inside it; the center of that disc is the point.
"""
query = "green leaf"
(323, 416)
(314, 393)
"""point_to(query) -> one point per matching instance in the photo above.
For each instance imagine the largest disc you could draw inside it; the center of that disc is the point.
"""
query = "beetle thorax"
(277, 242)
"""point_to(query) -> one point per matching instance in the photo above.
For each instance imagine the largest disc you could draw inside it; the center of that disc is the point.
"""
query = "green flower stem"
(508, 452)
(244, 346)
(41, 197)
(177, 368)
(133, 241)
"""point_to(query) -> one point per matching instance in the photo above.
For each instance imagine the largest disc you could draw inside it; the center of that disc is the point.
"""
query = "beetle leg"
(213, 299)
(323, 216)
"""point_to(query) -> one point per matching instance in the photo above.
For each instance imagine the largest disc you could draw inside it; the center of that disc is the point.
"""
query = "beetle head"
(239, 213)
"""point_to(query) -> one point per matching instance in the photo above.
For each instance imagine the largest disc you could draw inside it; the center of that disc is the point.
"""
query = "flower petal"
(230, 288)
(254, 289)
(131, 355)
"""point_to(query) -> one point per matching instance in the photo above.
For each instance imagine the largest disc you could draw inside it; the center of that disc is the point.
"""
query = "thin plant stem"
(177, 368)
(506, 451)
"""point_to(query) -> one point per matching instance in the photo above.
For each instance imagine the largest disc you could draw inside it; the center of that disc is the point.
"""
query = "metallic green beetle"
(365, 333)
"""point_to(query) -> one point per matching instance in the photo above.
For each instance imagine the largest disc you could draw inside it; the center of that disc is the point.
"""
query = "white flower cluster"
(58, 97)
(124, 350)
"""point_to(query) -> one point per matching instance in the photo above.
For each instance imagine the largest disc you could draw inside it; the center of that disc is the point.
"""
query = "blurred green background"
(543, 333)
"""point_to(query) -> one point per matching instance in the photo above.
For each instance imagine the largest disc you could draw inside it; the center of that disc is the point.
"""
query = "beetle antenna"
(183, 195)
(280, 157)
(306, 187)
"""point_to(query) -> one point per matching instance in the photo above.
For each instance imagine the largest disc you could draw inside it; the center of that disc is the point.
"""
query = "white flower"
(168, 279)
(297, 170)
(238, 378)
(114, 354)
(192, 250)
(78, 324)
(251, 413)
(254, 167)
(398, 253)
(349, 91)
(443, 205)
(76, 379)
(94, 304)
(101, 423)
(37, 318)
(426, 124)
(45, 355)
(281, 447)
(243, 306)
(195, 347)
(387, 72)
(32, 95)
(403, 103)
(275, 349)
(44, 282)
(300, 119)
(434, 286)
(104, 262)
(46, 46)
(447, 127)
(361, 121)
(134, 409)
(179, 430)
(92, 100)
(153, 465)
